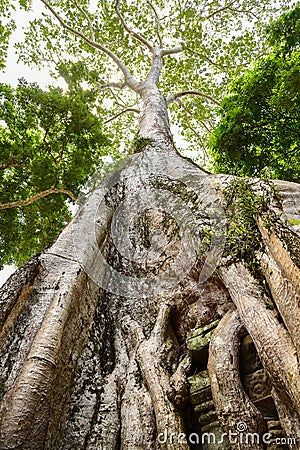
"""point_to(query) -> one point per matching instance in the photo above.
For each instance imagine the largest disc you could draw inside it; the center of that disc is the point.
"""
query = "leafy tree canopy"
(218, 38)
(49, 142)
(259, 132)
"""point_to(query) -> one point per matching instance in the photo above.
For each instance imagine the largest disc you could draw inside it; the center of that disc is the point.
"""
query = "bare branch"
(87, 18)
(129, 79)
(190, 126)
(208, 129)
(245, 11)
(214, 13)
(119, 100)
(36, 197)
(111, 85)
(171, 51)
(201, 55)
(7, 165)
(160, 40)
(204, 5)
(174, 97)
(131, 32)
(135, 110)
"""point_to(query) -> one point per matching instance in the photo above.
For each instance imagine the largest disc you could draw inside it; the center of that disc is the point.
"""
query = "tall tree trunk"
(105, 335)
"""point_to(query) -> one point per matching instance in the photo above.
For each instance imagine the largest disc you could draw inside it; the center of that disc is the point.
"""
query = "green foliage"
(246, 200)
(242, 205)
(218, 39)
(48, 139)
(139, 144)
(243, 238)
(294, 222)
(259, 132)
(284, 33)
(8, 25)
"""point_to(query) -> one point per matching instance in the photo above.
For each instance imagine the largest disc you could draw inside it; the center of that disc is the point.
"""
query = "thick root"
(273, 343)
(157, 380)
(235, 411)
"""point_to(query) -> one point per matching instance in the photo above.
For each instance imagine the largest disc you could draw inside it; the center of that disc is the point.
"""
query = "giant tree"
(167, 311)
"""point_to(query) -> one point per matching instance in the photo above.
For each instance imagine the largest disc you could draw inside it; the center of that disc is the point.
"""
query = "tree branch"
(170, 51)
(12, 162)
(160, 40)
(157, 62)
(87, 18)
(36, 197)
(129, 79)
(244, 11)
(120, 113)
(131, 32)
(110, 85)
(7, 165)
(156, 66)
(205, 126)
(207, 59)
(199, 138)
(214, 13)
(174, 97)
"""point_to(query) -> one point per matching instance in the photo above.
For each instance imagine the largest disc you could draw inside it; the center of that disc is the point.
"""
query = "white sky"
(5, 273)
(14, 69)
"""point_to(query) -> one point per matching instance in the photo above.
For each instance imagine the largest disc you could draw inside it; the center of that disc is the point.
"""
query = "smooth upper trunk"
(153, 122)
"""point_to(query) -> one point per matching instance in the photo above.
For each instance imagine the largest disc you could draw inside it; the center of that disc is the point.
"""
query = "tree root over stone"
(272, 341)
(232, 404)
(150, 355)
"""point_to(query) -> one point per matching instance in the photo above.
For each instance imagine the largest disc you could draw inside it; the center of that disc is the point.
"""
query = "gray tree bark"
(106, 335)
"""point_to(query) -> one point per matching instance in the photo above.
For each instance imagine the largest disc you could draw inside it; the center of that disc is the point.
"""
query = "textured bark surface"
(271, 339)
(105, 337)
(230, 399)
